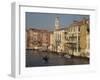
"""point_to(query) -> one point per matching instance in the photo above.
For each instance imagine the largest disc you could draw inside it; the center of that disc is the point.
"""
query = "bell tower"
(57, 23)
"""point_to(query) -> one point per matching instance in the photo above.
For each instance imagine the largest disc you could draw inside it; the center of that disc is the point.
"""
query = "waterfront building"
(37, 38)
(77, 38)
(84, 37)
(72, 39)
(51, 47)
(58, 36)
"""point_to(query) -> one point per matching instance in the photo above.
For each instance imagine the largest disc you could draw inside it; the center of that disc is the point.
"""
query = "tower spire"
(57, 23)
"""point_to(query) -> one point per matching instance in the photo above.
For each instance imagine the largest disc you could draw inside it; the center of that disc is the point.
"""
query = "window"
(78, 28)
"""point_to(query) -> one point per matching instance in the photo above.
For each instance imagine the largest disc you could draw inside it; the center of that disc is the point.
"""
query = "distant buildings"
(38, 39)
(73, 39)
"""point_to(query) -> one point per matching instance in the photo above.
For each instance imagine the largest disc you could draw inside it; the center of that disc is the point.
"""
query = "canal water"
(38, 59)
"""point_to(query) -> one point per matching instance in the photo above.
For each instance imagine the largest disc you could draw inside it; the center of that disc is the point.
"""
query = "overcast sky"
(47, 20)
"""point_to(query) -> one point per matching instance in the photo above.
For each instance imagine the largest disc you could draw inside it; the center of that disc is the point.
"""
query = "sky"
(47, 20)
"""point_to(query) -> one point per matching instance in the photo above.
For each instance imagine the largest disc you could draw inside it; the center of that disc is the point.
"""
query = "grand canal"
(39, 58)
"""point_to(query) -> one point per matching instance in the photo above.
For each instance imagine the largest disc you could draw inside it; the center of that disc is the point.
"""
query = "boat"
(67, 56)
